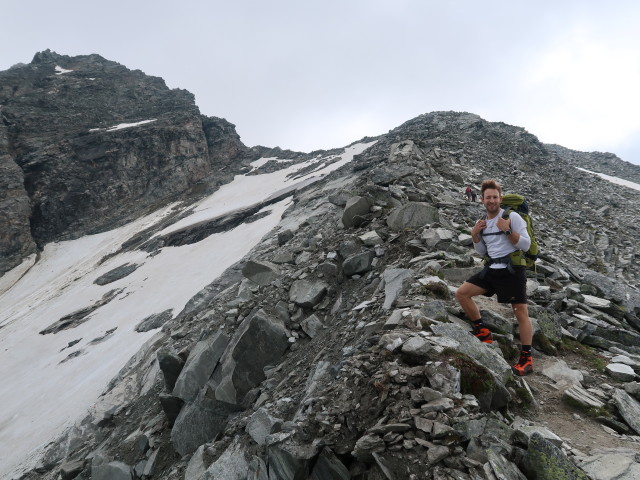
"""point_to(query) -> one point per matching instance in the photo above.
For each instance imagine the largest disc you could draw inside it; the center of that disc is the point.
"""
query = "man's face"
(491, 200)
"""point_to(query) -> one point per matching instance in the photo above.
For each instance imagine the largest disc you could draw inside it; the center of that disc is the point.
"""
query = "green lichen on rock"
(545, 461)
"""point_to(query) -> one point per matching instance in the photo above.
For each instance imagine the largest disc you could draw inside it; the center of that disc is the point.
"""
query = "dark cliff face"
(96, 144)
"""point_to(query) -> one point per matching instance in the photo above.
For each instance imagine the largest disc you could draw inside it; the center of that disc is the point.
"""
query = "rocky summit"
(72, 162)
(335, 349)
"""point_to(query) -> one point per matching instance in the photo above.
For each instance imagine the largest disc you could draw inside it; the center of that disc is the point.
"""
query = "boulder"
(154, 321)
(262, 424)
(329, 467)
(288, 460)
(170, 365)
(621, 372)
(355, 212)
(231, 465)
(412, 215)
(199, 366)
(199, 422)
(112, 471)
(545, 461)
(238, 373)
(394, 283)
(261, 272)
(435, 237)
(311, 325)
(307, 293)
(628, 407)
(358, 263)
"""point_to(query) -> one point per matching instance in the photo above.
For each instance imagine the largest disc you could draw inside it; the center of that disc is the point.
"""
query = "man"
(498, 238)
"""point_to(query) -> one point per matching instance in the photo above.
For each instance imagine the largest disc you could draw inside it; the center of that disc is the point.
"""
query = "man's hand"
(503, 224)
(477, 228)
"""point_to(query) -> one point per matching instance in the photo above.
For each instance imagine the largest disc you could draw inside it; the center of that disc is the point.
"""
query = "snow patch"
(616, 180)
(245, 191)
(60, 70)
(261, 161)
(120, 126)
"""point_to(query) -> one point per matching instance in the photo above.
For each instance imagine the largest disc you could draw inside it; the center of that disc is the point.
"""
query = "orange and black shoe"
(483, 334)
(524, 365)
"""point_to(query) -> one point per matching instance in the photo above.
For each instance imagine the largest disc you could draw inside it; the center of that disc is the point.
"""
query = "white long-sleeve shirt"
(497, 246)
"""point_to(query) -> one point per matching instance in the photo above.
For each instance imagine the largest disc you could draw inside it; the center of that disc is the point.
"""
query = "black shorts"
(510, 287)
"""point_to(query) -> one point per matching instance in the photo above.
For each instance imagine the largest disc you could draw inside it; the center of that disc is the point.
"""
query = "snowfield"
(50, 381)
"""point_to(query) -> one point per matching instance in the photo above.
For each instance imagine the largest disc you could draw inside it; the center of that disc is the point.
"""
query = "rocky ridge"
(87, 144)
(361, 365)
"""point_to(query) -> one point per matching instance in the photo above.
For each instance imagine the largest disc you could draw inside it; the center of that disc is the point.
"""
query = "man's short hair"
(491, 183)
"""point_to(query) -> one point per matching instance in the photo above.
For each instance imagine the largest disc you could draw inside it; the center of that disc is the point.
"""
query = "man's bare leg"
(521, 311)
(464, 296)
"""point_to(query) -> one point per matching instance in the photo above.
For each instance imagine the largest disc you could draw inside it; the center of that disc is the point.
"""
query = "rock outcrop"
(96, 145)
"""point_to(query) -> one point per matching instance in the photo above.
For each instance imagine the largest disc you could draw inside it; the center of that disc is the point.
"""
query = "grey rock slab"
(628, 407)
(476, 350)
(436, 453)
(196, 467)
(199, 366)
(199, 422)
(261, 272)
(366, 446)
(154, 321)
(545, 461)
(394, 279)
(329, 467)
(116, 274)
(238, 372)
(412, 215)
(71, 469)
(524, 433)
(290, 461)
(596, 302)
(358, 263)
(355, 211)
(307, 293)
(611, 464)
(433, 237)
(502, 468)
(112, 471)
(311, 325)
(231, 465)
(260, 425)
(621, 372)
(560, 372)
(371, 239)
(577, 394)
(417, 348)
(257, 469)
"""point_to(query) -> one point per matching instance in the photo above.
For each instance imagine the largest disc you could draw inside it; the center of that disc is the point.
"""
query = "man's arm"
(519, 237)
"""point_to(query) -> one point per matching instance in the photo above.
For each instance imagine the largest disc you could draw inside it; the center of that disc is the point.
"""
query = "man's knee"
(463, 293)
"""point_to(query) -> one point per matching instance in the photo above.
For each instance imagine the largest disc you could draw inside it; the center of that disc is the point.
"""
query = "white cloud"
(587, 91)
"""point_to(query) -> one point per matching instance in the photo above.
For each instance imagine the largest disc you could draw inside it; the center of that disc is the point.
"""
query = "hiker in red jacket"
(468, 193)
(498, 237)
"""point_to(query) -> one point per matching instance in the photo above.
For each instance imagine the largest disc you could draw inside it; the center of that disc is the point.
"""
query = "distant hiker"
(474, 197)
(468, 192)
(497, 238)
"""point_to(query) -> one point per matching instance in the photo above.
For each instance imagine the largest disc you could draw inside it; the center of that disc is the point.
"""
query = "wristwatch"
(508, 232)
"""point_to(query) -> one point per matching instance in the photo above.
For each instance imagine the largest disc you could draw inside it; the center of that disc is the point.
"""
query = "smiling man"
(502, 240)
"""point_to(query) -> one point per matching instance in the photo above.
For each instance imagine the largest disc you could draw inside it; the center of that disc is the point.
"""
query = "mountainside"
(298, 322)
(96, 144)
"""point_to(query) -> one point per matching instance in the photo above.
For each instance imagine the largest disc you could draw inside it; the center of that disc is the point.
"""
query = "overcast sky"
(311, 74)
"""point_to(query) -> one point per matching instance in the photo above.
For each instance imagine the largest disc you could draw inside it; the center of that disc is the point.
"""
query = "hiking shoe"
(524, 365)
(483, 334)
